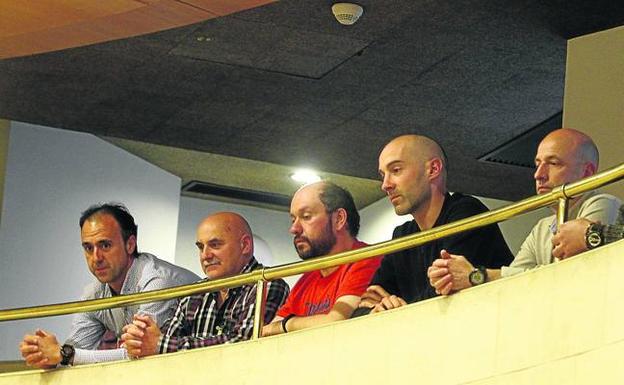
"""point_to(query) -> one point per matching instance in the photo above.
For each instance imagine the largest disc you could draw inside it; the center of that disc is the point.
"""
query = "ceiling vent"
(237, 195)
(521, 150)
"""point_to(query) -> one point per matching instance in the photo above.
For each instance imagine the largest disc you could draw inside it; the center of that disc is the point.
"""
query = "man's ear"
(589, 169)
(339, 218)
(246, 244)
(131, 245)
(435, 168)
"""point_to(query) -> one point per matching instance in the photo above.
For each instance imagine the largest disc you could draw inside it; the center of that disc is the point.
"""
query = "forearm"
(342, 309)
(493, 274)
(298, 323)
(84, 356)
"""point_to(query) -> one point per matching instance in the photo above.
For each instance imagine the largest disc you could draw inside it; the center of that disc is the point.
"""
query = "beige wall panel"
(594, 94)
(548, 326)
(4, 149)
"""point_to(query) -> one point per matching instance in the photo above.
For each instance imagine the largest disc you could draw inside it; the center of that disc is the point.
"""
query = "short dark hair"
(120, 213)
(335, 197)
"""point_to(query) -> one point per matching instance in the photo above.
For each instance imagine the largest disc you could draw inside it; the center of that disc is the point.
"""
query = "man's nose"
(295, 227)
(98, 254)
(540, 172)
(386, 184)
(204, 252)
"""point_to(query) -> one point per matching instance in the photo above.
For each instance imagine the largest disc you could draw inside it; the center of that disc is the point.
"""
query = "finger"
(394, 300)
(446, 290)
(134, 352)
(379, 290)
(32, 359)
(139, 324)
(402, 302)
(435, 272)
(136, 331)
(133, 344)
(30, 339)
(441, 262)
(557, 251)
(28, 349)
(387, 303)
(378, 308)
(371, 296)
(41, 333)
(367, 303)
(145, 318)
(440, 283)
(444, 254)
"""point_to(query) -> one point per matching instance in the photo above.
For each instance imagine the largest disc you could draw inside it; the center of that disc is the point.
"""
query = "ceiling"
(244, 96)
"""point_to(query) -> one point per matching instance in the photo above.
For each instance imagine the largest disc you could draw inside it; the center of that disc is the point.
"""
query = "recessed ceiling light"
(305, 176)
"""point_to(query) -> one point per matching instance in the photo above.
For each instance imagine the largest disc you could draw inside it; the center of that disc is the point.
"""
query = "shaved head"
(413, 169)
(417, 148)
(564, 156)
(231, 222)
(225, 244)
(579, 144)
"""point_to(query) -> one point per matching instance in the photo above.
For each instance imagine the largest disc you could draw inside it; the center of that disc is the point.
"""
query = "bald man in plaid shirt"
(225, 244)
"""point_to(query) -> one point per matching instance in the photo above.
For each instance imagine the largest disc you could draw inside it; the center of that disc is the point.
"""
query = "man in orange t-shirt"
(324, 221)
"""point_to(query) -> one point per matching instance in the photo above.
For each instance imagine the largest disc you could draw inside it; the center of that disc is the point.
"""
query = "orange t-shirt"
(315, 294)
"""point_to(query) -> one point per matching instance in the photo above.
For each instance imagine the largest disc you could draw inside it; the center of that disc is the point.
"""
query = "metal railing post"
(562, 211)
(259, 309)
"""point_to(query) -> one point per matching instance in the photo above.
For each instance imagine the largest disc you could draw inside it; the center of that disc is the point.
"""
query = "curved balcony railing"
(559, 195)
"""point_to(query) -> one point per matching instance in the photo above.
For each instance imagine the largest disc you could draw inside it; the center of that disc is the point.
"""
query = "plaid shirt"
(198, 320)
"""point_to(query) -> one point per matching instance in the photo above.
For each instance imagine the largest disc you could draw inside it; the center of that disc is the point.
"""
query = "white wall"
(51, 176)
(273, 242)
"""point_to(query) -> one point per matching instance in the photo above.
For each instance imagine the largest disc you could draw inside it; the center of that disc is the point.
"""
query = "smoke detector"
(347, 13)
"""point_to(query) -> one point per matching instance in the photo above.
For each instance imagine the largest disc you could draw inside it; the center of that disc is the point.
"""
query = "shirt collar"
(132, 276)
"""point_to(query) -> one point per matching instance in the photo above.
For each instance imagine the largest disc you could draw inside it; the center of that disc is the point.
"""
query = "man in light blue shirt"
(108, 235)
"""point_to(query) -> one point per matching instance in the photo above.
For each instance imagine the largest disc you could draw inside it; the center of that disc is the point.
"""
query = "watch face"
(67, 354)
(67, 350)
(593, 239)
(476, 277)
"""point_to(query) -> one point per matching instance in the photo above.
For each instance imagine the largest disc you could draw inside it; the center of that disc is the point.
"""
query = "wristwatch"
(67, 354)
(593, 236)
(478, 276)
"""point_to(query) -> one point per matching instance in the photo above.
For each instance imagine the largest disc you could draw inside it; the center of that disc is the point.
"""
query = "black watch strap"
(612, 233)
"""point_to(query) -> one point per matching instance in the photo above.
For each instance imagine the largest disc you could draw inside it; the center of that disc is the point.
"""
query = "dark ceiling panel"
(269, 47)
(285, 83)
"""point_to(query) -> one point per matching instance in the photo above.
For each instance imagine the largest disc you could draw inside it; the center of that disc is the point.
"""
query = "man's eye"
(105, 245)
(200, 246)
(87, 248)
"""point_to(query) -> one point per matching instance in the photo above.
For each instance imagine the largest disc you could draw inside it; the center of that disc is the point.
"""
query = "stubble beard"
(319, 246)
